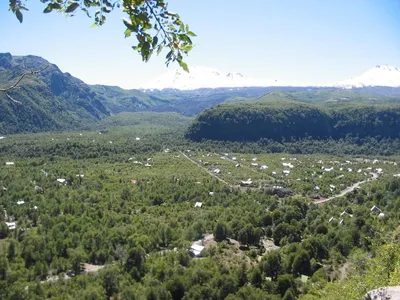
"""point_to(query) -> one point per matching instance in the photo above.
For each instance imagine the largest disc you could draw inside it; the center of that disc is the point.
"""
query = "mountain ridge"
(201, 77)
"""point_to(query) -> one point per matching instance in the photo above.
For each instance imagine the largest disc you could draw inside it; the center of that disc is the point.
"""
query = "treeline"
(289, 120)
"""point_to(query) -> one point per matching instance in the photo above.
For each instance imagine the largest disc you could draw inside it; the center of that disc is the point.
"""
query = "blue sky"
(314, 41)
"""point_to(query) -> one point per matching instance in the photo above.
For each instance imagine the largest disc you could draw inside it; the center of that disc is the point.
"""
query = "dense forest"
(289, 120)
(115, 228)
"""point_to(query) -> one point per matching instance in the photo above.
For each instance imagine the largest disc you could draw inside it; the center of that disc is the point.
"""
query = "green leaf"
(48, 8)
(191, 33)
(183, 65)
(128, 32)
(19, 16)
(159, 49)
(154, 42)
(127, 23)
(72, 7)
(169, 55)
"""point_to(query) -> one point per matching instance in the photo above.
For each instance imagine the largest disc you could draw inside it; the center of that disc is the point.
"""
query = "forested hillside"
(51, 100)
(290, 120)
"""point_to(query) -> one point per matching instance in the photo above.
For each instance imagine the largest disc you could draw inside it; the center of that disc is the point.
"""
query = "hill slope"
(285, 120)
(51, 100)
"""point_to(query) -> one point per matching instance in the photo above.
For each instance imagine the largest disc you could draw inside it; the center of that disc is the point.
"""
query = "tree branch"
(13, 86)
(159, 23)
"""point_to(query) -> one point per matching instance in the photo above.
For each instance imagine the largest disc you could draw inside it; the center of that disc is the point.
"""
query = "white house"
(20, 202)
(246, 182)
(138, 139)
(61, 180)
(9, 163)
(286, 172)
(147, 165)
(11, 225)
(375, 209)
(198, 204)
(263, 167)
(196, 250)
(288, 165)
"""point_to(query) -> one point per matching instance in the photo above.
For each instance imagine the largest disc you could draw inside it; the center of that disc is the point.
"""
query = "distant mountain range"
(53, 100)
(200, 78)
(384, 75)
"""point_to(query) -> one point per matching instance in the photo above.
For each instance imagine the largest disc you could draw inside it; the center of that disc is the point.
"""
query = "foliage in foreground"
(153, 25)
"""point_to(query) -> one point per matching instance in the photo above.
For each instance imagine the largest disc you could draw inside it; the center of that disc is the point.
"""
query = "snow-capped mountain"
(200, 77)
(383, 75)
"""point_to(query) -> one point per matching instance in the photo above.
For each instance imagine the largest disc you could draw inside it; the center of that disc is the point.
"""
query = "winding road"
(347, 190)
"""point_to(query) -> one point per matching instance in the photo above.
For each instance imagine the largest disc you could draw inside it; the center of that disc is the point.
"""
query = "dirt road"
(210, 173)
(347, 190)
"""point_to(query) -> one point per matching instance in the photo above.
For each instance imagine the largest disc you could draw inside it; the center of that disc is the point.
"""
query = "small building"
(234, 158)
(286, 172)
(10, 163)
(196, 250)
(198, 204)
(254, 164)
(211, 193)
(20, 202)
(11, 225)
(288, 165)
(137, 138)
(237, 165)
(331, 220)
(61, 180)
(216, 171)
(147, 165)
(263, 167)
(246, 182)
(38, 189)
(375, 209)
